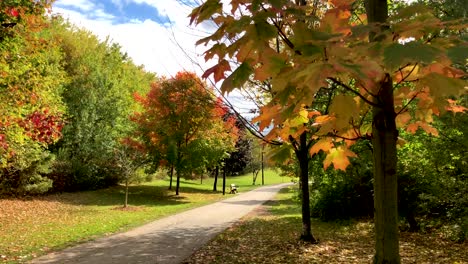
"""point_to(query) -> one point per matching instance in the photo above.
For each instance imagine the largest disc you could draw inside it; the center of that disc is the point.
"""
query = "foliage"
(99, 101)
(182, 126)
(31, 108)
(381, 62)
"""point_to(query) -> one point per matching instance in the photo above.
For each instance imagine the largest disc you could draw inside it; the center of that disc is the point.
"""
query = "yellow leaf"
(339, 157)
(345, 109)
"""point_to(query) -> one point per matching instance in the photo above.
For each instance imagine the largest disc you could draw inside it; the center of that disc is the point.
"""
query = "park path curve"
(167, 240)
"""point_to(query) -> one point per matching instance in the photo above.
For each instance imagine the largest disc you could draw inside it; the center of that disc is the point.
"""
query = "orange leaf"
(324, 144)
(339, 157)
(403, 119)
(218, 70)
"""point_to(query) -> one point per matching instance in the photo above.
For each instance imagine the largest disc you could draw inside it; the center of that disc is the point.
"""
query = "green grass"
(31, 227)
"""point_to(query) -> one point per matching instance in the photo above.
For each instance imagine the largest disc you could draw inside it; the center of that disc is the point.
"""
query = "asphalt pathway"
(168, 240)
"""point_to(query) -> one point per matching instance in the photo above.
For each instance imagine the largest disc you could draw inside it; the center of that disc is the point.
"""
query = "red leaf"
(218, 70)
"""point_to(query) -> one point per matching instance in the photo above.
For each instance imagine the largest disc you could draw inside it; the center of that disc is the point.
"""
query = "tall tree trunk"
(224, 180)
(263, 174)
(177, 183)
(126, 191)
(302, 155)
(171, 173)
(384, 138)
(215, 184)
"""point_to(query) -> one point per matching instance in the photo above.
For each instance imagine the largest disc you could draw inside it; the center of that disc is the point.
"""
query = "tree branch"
(336, 81)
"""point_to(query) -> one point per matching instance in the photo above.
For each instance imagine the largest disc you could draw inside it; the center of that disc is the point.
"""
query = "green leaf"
(442, 86)
(282, 153)
(237, 78)
(458, 54)
(397, 55)
(205, 11)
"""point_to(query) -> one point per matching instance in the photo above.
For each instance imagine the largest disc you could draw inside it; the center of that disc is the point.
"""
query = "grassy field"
(32, 226)
(270, 235)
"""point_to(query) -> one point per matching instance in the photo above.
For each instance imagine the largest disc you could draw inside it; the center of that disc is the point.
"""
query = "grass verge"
(270, 235)
(33, 226)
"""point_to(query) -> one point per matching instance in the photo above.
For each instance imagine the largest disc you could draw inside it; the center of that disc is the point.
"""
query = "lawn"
(31, 226)
(270, 235)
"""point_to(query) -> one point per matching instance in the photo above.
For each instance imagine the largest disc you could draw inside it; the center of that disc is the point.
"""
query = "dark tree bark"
(215, 184)
(384, 138)
(224, 180)
(177, 183)
(302, 154)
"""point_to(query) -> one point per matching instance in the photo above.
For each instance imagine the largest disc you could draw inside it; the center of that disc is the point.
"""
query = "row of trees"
(341, 71)
(76, 113)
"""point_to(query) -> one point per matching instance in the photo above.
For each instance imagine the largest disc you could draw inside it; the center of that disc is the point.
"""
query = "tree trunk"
(263, 175)
(224, 180)
(126, 192)
(302, 155)
(255, 175)
(177, 183)
(215, 184)
(171, 173)
(384, 138)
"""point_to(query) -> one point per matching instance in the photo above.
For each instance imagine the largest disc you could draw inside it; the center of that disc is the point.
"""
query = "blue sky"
(119, 11)
(154, 33)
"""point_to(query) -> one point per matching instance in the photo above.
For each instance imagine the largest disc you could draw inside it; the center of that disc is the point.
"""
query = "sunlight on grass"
(32, 226)
(271, 235)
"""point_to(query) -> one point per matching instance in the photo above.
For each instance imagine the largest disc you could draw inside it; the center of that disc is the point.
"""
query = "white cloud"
(84, 5)
(148, 43)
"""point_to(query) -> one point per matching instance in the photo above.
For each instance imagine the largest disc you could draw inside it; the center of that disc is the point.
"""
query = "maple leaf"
(339, 157)
(237, 78)
(324, 144)
(218, 70)
(397, 54)
(403, 118)
(453, 107)
(205, 11)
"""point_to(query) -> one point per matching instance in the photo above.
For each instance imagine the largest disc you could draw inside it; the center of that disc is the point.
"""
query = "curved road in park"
(168, 240)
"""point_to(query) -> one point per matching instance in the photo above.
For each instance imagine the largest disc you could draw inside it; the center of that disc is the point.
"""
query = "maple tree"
(381, 64)
(181, 126)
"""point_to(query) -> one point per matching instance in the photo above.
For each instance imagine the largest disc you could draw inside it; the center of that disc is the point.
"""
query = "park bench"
(233, 188)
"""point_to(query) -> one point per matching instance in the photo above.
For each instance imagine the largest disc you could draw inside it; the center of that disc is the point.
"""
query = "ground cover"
(31, 226)
(270, 235)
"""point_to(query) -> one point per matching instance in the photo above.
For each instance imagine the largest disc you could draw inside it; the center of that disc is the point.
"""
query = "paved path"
(168, 240)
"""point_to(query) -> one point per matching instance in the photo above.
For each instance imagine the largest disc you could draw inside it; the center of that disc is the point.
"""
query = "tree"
(31, 111)
(175, 127)
(99, 99)
(380, 63)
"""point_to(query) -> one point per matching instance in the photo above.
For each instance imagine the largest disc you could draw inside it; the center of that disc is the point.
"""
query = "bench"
(233, 188)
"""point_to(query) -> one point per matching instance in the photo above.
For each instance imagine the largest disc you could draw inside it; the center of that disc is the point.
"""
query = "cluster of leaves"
(64, 94)
(183, 127)
(336, 51)
(98, 98)
(31, 107)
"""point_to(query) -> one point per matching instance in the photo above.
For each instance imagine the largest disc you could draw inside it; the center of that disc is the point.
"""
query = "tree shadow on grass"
(139, 195)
